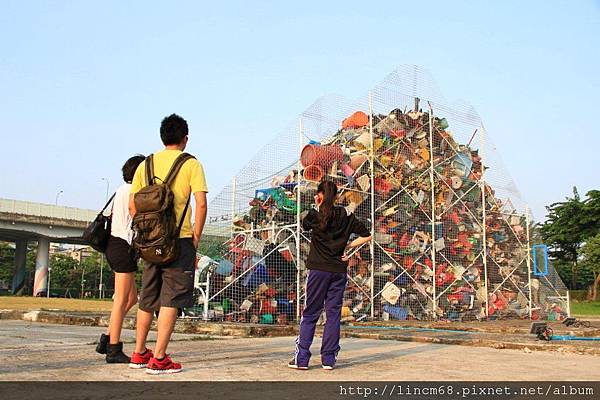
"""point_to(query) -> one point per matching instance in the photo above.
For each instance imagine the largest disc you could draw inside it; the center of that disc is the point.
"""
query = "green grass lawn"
(587, 308)
(25, 303)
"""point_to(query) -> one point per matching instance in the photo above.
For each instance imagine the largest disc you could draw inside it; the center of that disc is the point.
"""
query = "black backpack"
(98, 232)
(154, 225)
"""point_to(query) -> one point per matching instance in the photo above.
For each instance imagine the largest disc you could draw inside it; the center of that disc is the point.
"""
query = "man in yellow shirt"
(169, 287)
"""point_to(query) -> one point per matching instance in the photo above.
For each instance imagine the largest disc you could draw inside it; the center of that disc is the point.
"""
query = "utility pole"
(82, 271)
(48, 287)
(101, 285)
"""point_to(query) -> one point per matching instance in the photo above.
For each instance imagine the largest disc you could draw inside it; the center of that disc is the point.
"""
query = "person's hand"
(318, 199)
(346, 255)
(196, 240)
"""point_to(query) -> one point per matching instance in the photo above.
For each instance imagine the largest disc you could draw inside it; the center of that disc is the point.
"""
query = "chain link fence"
(451, 230)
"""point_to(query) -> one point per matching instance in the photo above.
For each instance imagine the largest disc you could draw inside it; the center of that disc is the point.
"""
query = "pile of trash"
(421, 192)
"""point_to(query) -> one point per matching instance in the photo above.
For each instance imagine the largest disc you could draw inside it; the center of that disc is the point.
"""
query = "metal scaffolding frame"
(449, 242)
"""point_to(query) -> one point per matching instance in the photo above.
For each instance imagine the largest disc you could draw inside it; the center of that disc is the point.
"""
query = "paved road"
(60, 352)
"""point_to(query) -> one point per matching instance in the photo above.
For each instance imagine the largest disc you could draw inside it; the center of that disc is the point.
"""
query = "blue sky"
(84, 85)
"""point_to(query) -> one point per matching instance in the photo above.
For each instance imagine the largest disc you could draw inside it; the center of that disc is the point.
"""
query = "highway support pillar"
(40, 285)
(20, 269)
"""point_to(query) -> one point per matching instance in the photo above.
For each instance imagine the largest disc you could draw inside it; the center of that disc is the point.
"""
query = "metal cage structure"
(452, 234)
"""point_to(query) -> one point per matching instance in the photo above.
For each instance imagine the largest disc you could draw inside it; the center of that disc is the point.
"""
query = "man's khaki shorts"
(170, 285)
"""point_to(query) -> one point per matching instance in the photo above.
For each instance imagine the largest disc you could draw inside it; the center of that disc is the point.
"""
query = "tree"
(68, 274)
(567, 227)
(7, 264)
(591, 215)
(212, 246)
(64, 273)
(562, 231)
(590, 253)
(90, 268)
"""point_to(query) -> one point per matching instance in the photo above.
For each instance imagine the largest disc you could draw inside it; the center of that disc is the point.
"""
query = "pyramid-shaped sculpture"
(451, 232)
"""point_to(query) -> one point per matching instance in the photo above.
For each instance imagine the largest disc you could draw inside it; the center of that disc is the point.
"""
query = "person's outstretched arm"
(358, 241)
(361, 230)
(353, 244)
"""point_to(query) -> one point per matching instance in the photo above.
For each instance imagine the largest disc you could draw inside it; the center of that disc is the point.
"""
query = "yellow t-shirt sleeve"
(198, 180)
(138, 178)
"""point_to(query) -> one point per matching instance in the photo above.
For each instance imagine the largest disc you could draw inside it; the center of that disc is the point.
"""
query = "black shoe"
(102, 344)
(292, 364)
(115, 354)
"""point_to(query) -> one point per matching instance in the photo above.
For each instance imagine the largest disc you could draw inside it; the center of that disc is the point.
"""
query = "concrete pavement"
(59, 352)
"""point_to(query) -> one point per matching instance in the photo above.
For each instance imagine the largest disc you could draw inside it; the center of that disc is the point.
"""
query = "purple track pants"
(323, 289)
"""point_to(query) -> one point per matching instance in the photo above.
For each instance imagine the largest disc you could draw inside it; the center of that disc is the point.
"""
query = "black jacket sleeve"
(356, 226)
(311, 219)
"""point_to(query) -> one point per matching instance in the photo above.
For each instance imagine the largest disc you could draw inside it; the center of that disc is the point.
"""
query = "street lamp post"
(82, 271)
(48, 288)
(107, 186)
(101, 285)
(57, 194)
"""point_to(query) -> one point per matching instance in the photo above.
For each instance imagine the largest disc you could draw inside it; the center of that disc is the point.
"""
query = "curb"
(182, 325)
(256, 330)
(583, 332)
(489, 343)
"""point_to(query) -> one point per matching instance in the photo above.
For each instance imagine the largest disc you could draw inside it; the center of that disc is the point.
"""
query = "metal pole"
(298, 222)
(528, 259)
(101, 285)
(82, 275)
(372, 172)
(233, 189)
(432, 183)
(107, 186)
(206, 294)
(56, 199)
(48, 289)
(82, 266)
(484, 216)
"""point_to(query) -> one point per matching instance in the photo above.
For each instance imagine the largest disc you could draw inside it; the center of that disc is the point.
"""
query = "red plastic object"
(404, 240)
(383, 186)
(287, 255)
(356, 120)
(325, 156)
(266, 307)
(398, 134)
(313, 173)
(454, 297)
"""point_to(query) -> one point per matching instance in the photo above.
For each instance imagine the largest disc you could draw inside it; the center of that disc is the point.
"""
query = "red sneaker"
(140, 360)
(164, 366)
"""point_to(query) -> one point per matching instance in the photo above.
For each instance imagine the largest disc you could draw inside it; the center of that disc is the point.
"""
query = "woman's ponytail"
(329, 191)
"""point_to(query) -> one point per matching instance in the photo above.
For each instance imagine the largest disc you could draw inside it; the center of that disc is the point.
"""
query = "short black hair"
(173, 129)
(130, 166)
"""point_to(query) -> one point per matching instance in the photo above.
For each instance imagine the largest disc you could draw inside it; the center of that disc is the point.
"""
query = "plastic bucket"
(325, 156)
(313, 173)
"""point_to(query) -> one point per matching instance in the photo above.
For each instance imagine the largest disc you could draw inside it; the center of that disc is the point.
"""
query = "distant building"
(76, 253)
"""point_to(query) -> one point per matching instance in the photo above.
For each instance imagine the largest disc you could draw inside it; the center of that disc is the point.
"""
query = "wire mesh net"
(450, 229)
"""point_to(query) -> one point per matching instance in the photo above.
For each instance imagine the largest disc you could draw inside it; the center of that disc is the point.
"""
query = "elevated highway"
(23, 221)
